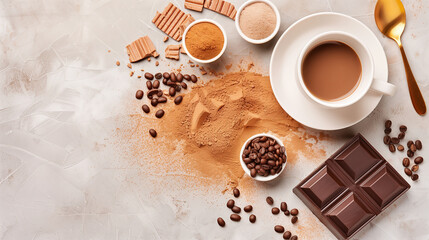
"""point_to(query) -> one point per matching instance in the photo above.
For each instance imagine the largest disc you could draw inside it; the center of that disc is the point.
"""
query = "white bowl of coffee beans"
(263, 157)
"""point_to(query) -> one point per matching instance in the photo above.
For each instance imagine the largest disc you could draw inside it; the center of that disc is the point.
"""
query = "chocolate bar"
(351, 188)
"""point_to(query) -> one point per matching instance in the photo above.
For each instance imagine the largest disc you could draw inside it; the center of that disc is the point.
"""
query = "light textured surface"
(60, 96)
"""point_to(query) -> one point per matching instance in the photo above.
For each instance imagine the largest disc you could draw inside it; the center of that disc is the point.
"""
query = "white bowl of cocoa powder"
(265, 148)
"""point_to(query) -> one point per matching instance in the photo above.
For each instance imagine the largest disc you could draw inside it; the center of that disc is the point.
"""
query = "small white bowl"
(260, 178)
(257, 41)
(224, 41)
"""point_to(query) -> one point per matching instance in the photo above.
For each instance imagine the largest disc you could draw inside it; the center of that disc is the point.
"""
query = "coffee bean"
(287, 213)
(386, 140)
(236, 209)
(236, 192)
(162, 100)
(294, 219)
(418, 160)
(221, 222)
(158, 75)
(155, 84)
(403, 128)
(194, 78)
(410, 153)
(387, 130)
(294, 237)
(419, 145)
(184, 85)
(154, 102)
(248, 208)
(139, 94)
(294, 212)
(414, 177)
(395, 140)
(149, 85)
(179, 77)
(279, 228)
(178, 100)
(275, 210)
(148, 76)
(166, 75)
(187, 77)
(415, 168)
(152, 92)
(252, 218)
(173, 77)
(159, 113)
(407, 171)
(153, 133)
(400, 148)
(388, 124)
(401, 135)
(164, 81)
(253, 172)
(409, 143)
(406, 162)
(413, 148)
(287, 235)
(171, 84)
(392, 148)
(159, 93)
(172, 91)
(270, 200)
(145, 108)
(235, 217)
(178, 88)
(230, 203)
(283, 206)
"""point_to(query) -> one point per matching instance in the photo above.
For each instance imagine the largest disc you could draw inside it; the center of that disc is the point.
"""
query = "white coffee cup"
(367, 80)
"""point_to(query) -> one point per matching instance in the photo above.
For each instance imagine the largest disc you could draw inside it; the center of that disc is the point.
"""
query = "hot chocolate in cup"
(336, 70)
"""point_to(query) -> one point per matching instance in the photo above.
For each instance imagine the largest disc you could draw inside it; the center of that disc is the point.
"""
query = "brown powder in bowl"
(258, 20)
(204, 40)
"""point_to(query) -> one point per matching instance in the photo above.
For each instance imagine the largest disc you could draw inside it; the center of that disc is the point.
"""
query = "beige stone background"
(63, 174)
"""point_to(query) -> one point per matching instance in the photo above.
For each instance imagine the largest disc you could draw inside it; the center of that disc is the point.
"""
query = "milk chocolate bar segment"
(170, 20)
(207, 3)
(196, 5)
(140, 49)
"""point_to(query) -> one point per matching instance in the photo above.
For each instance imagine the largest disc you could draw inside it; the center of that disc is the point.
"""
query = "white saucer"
(284, 80)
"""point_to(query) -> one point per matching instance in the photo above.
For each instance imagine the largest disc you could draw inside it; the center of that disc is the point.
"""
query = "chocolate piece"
(351, 188)
(140, 49)
(196, 5)
(173, 52)
(170, 20)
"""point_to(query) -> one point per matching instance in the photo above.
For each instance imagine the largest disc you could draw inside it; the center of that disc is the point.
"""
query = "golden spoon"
(390, 19)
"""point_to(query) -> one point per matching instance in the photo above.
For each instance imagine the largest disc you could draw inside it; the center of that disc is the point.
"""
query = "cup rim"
(224, 42)
(257, 41)
(247, 171)
(339, 103)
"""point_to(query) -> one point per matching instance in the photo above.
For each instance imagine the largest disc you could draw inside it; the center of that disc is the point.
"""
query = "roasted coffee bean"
(230, 203)
(388, 124)
(283, 206)
(236, 209)
(178, 88)
(419, 145)
(287, 235)
(173, 77)
(162, 100)
(387, 130)
(413, 148)
(253, 172)
(403, 128)
(392, 148)
(294, 219)
(287, 213)
(248, 208)
(414, 177)
(279, 228)
(194, 78)
(410, 153)
(418, 160)
(184, 85)
(187, 77)
(294, 237)
(400, 148)
(178, 100)
(155, 84)
(270, 200)
(172, 91)
(406, 162)
(386, 140)
(275, 210)
(154, 102)
(166, 75)
(294, 212)
(395, 140)
(408, 171)
(159, 113)
(235, 217)
(171, 84)
(221, 222)
(415, 168)
(179, 77)
(153, 133)
(139, 94)
(401, 135)
(164, 81)
(236, 192)
(152, 92)
(409, 143)
(149, 85)
(158, 75)
(252, 218)
(148, 76)
(159, 93)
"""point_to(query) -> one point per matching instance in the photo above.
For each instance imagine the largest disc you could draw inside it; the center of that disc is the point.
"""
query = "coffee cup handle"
(383, 87)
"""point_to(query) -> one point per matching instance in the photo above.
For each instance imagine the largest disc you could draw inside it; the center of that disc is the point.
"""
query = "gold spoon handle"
(415, 94)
